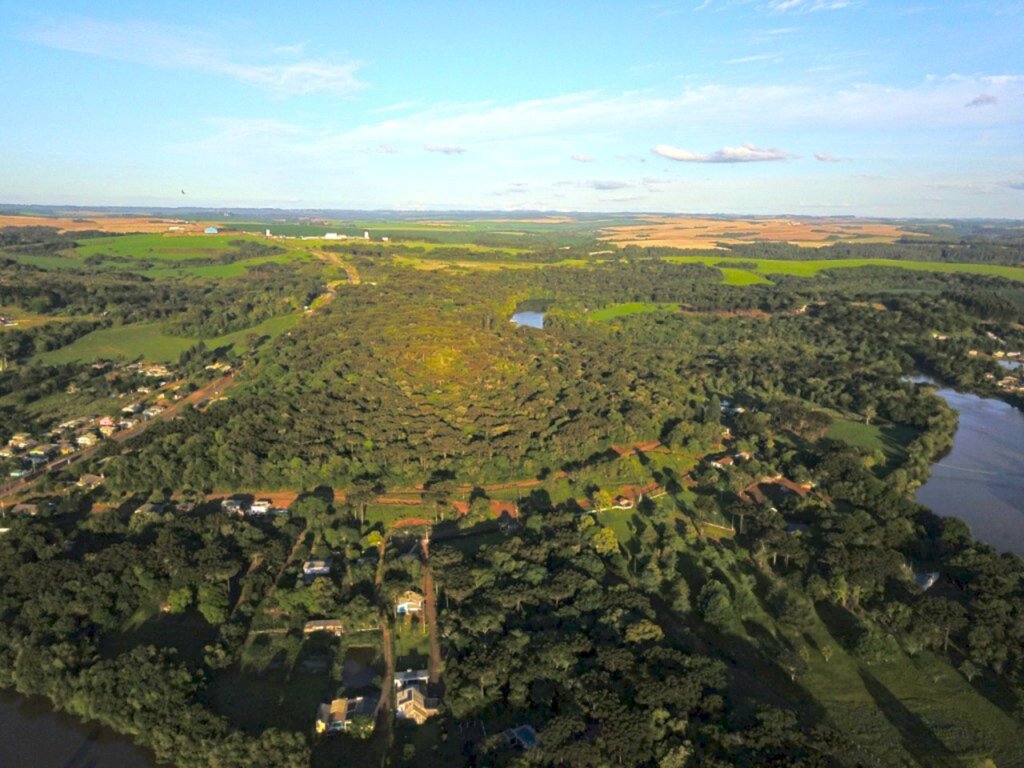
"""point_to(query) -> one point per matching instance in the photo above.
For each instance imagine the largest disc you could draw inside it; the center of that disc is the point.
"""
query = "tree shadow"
(918, 739)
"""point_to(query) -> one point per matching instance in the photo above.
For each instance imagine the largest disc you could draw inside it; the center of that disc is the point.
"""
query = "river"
(981, 480)
(32, 735)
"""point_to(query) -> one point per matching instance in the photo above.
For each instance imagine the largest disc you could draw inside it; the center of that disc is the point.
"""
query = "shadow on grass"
(917, 738)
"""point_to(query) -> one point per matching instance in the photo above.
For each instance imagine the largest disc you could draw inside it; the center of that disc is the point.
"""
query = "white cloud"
(444, 149)
(824, 157)
(583, 158)
(747, 153)
(173, 47)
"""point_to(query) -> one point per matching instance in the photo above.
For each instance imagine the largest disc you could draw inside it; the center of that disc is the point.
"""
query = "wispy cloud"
(583, 158)
(172, 47)
(606, 185)
(807, 6)
(984, 100)
(1018, 185)
(445, 149)
(747, 153)
(751, 59)
(824, 157)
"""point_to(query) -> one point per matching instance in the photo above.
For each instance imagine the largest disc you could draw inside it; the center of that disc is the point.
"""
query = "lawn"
(149, 341)
(630, 308)
(891, 439)
(412, 645)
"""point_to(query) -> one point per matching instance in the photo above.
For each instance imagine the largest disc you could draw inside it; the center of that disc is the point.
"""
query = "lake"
(32, 735)
(529, 319)
(981, 480)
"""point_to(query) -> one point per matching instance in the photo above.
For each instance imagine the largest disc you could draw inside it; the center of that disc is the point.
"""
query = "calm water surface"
(32, 735)
(981, 481)
(529, 319)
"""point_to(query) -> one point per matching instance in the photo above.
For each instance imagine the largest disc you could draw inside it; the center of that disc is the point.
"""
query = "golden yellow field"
(103, 223)
(707, 232)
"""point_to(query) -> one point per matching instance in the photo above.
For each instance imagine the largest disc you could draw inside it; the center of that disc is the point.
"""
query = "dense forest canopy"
(676, 526)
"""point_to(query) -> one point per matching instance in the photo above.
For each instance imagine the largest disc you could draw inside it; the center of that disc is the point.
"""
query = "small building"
(408, 603)
(521, 737)
(412, 704)
(90, 482)
(210, 231)
(107, 430)
(232, 506)
(313, 568)
(261, 507)
(338, 715)
(333, 626)
(411, 677)
(132, 409)
(331, 236)
(366, 235)
(25, 510)
(87, 440)
(21, 441)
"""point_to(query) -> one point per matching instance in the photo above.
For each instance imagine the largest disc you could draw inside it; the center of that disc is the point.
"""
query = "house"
(411, 677)
(261, 507)
(89, 482)
(722, 463)
(412, 704)
(21, 441)
(338, 715)
(232, 506)
(149, 508)
(521, 737)
(153, 411)
(66, 449)
(334, 626)
(210, 231)
(313, 568)
(107, 430)
(25, 510)
(131, 410)
(408, 603)
(107, 421)
(87, 439)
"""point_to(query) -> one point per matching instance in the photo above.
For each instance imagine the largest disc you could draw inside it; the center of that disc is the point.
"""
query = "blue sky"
(730, 106)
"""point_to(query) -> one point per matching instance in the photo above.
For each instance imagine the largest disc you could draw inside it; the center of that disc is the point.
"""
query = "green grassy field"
(812, 267)
(630, 308)
(890, 439)
(742, 277)
(149, 341)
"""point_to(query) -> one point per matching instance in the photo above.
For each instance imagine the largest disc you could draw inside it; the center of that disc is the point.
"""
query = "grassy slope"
(891, 439)
(149, 341)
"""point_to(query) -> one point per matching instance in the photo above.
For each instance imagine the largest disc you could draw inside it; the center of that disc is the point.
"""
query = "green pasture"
(812, 267)
(631, 308)
(149, 341)
(891, 439)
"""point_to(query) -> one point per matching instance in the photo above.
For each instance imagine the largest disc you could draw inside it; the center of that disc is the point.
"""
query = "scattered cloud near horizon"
(747, 153)
(583, 158)
(825, 157)
(984, 100)
(173, 47)
(445, 149)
